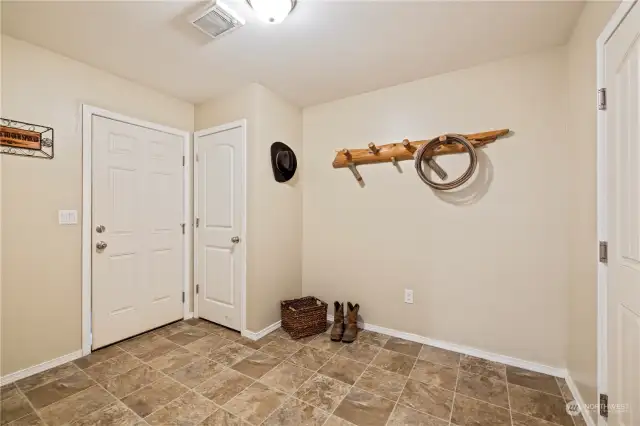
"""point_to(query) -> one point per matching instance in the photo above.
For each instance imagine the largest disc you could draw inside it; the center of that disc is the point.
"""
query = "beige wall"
(582, 336)
(41, 265)
(488, 266)
(274, 210)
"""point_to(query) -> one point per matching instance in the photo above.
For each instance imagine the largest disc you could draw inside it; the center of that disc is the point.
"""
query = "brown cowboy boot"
(351, 332)
(338, 322)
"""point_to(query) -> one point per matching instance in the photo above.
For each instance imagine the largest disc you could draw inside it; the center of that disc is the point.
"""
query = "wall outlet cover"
(67, 217)
(408, 296)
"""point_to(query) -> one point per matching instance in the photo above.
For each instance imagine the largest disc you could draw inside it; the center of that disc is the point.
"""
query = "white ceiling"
(324, 51)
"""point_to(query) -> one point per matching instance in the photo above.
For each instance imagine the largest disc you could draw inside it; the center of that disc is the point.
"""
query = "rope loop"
(431, 146)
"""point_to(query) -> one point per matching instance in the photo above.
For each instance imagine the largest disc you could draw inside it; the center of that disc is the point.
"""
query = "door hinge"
(197, 222)
(197, 157)
(604, 252)
(183, 297)
(184, 160)
(183, 226)
(604, 405)
(197, 288)
(602, 99)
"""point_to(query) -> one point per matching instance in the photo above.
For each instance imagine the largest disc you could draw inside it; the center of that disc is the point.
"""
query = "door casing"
(602, 215)
(88, 112)
(243, 234)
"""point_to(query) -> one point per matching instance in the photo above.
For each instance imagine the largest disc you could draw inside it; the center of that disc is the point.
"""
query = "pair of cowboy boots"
(339, 331)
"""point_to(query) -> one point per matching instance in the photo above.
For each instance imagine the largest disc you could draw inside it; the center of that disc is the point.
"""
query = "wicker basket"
(304, 317)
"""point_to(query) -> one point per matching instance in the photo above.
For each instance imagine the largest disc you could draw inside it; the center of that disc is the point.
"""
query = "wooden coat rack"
(404, 150)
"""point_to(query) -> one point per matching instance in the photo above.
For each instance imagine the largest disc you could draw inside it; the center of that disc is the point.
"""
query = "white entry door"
(137, 246)
(220, 222)
(622, 56)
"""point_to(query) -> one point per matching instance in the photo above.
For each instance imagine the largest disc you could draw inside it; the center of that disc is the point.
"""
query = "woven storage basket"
(304, 317)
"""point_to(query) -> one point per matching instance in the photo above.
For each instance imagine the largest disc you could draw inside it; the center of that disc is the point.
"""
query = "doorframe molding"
(242, 123)
(602, 215)
(88, 111)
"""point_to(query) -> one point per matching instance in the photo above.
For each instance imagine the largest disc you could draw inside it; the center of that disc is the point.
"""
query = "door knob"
(235, 240)
(101, 245)
(100, 229)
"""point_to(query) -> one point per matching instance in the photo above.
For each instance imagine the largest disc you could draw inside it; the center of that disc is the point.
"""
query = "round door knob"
(101, 245)
(235, 240)
(100, 229)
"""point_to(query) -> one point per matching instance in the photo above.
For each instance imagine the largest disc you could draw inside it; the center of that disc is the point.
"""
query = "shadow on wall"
(474, 190)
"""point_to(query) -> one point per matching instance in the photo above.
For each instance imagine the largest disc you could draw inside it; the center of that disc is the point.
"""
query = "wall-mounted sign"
(26, 139)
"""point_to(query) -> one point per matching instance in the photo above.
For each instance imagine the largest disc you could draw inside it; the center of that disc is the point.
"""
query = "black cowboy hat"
(283, 162)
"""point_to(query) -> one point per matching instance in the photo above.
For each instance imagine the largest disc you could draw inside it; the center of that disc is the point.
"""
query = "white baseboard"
(256, 335)
(578, 398)
(30, 371)
(467, 350)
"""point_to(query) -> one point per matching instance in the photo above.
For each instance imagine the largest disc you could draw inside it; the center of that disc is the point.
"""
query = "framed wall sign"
(25, 139)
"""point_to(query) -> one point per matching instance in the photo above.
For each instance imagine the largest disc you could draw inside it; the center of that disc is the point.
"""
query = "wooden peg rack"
(404, 150)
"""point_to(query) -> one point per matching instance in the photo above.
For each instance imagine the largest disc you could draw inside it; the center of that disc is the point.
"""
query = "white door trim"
(613, 24)
(243, 235)
(88, 112)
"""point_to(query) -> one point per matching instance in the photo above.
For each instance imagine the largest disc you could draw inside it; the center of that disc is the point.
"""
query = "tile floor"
(197, 373)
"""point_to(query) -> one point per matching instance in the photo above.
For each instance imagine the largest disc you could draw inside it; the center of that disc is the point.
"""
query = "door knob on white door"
(235, 240)
(101, 245)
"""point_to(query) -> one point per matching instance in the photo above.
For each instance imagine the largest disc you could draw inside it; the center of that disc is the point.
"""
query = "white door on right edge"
(220, 217)
(622, 59)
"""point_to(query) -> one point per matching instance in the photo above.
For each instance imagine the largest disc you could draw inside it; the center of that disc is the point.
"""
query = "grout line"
(455, 391)
(36, 412)
(415, 361)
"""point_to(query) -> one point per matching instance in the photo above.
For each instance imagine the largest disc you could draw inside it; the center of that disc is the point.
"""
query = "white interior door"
(137, 215)
(220, 222)
(623, 164)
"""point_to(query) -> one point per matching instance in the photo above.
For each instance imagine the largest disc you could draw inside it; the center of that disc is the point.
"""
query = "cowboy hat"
(283, 162)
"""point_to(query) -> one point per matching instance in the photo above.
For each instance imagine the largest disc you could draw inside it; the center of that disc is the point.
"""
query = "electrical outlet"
(408, 296)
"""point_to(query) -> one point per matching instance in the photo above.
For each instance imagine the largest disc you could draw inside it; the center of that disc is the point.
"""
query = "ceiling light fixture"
(272, 11)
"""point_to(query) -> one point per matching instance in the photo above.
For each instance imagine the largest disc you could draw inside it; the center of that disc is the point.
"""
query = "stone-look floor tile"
(47, 376)
(323, 392)
(171, 329)
(522, 420)
(405, 416)
(194, 321)
(129, 382)
(286, 377)
(533, 380)
(114, 414)
(224, 386)
(141, 340)
(255, 344)
(382, 383)
(14, 408)
(59, 389)
(113, 367)
(471, 412)
(256, 365)
(76, 406)
(153, 350)
(279, 332)
(337, 421)
(324, 343)
(281, 348)
(360, 352)
(228, 334)
(564, 389)
(343, 369)
(98, 356)
(231, 354)
(154, 396)
(256, 403)
(223, 418)
(394, 362)
(305, 340)
(439, 356)
(364, 409)
(483, 388)
(403, 346)
(207, 346)
(579, 420)
(427, 399)
(539, 404)
(209, 326)
(435, 374)
(373, 338)
(310, 358)
(197, 372)
(174, 360)
(484, 367)
(7, 391)
(30, 420)
(185, 337)
(296, 413)
(188, 410)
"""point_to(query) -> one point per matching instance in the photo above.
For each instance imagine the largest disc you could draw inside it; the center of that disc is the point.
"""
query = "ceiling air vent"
(216, 20)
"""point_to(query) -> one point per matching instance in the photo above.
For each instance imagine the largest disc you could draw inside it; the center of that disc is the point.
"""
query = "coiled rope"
(431, 146)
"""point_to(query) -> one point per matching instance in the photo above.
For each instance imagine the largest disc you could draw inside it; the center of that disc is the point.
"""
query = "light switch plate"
(67, 217)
